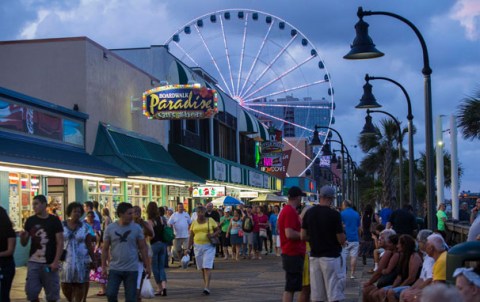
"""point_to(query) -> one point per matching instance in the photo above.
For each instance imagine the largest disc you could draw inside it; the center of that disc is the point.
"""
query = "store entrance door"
(57, 189)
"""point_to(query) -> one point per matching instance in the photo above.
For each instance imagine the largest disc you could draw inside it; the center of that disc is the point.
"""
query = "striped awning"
(249, 124)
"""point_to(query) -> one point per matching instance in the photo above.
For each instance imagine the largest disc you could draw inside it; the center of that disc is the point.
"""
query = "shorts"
(204, 255)
(397, 290)
(327, 278)
(293, 267)
(178, 244)
(351, 249)
(248, 238)
(276, 240)
(38, 278)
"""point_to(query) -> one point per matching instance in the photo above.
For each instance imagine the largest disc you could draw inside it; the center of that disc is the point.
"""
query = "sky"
(451, 30)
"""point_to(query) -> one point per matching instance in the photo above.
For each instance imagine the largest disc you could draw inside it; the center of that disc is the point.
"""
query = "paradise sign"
(175, 102)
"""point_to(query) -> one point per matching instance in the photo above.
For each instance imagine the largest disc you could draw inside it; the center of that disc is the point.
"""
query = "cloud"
(467, 12)
(112, 23)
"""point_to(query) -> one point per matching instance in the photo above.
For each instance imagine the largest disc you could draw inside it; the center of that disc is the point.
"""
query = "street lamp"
(363, 48)
(400, 151)
(369, 101)
(316, 142)
(345, 169)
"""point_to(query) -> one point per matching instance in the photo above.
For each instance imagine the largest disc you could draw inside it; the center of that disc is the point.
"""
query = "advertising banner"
(279, 171)
(175, 102)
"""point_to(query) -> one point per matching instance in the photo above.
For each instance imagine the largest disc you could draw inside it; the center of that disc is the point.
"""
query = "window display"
(22, 189)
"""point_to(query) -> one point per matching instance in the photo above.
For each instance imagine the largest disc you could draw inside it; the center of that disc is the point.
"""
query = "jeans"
(7, 271)
(129, 279)
(159, 249)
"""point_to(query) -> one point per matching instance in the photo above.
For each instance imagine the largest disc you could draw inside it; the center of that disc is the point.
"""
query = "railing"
(457, 232)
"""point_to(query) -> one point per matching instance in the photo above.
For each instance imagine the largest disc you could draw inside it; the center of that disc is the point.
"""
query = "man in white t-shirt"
(180, 221)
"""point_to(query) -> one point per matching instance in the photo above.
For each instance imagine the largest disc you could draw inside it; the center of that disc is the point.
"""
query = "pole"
(454, 160)
(343, 155)
(411, 155)
(439, 153)
(427, 72)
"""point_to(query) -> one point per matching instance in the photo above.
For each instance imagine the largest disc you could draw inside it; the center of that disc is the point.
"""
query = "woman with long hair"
(159, 248)
(408, 269)
(201, 230)
(77, 240)
(7, 248)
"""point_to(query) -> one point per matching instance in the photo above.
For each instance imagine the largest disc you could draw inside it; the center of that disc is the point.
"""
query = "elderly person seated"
(468, 284)
(437, 249)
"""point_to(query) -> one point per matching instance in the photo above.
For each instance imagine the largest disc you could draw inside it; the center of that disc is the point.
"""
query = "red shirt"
(288, 218)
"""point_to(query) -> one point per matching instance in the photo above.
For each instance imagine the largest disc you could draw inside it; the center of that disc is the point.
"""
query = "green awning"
(138, 155)
(249, 124)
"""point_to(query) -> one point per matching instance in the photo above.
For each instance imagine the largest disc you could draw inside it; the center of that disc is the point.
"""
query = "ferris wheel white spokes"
(270, 67)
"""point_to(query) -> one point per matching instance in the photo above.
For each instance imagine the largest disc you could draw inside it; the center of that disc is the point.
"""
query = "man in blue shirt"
(351, 222)
(385, 213)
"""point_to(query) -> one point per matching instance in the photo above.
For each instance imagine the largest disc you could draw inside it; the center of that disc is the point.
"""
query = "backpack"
(247, 224)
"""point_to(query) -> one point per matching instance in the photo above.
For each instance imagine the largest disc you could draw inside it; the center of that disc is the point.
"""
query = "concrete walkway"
(246, 280)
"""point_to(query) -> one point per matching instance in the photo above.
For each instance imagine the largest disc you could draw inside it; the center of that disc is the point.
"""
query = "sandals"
(101, 294)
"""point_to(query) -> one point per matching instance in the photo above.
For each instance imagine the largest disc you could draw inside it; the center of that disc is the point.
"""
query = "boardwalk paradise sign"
(174, 102)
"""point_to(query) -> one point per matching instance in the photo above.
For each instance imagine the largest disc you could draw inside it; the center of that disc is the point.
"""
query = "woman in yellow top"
(200, 232)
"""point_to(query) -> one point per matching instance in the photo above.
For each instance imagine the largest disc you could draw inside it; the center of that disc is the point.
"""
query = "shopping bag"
(262, 233)
(185, 260)
(147, 291)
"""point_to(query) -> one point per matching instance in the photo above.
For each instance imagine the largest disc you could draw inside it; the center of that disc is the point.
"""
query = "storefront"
(151, 174)
(223, 177)
(43, 152)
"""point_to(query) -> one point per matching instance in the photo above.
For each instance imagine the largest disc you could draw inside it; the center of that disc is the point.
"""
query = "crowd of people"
(91, 246)
(409, 263)
(317, 244)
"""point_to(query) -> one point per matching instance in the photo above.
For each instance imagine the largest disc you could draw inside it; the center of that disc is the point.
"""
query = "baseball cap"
(327, 191)
(295, 192)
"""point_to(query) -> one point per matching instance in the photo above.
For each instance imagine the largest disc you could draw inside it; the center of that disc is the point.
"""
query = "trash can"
(459, 254)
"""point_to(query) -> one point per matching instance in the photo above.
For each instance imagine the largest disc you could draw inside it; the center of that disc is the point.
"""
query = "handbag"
(262, 233)
(214, 240)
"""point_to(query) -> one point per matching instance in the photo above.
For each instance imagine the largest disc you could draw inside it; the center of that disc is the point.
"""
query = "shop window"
(22, 189)
(108, 194)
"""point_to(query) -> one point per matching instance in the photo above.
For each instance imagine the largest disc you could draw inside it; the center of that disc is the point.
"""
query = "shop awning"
(249, 124)
(138, 155)
(27, 152)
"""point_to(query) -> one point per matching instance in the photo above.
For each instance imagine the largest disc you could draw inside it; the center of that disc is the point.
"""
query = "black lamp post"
(316, 142)
(369, 101)
(363, 48)
(366, 130)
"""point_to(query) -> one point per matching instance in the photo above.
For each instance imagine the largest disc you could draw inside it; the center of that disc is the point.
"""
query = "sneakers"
(206, 292)
(352, 277)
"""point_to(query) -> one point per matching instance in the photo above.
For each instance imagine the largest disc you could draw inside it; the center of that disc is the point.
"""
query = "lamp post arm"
(426, 62)
(393, 118)
(409, 103)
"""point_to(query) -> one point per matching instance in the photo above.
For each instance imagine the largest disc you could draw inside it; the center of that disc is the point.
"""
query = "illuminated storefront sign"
(174, 102)
(248, 194)
(208, 191)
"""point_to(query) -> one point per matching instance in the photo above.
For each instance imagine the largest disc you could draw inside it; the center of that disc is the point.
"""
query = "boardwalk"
(254, 280)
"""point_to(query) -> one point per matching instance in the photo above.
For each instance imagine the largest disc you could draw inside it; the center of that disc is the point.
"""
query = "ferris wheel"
(267, 65)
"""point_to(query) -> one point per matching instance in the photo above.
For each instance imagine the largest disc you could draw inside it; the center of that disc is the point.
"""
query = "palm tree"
(381, 156)
(469, 117)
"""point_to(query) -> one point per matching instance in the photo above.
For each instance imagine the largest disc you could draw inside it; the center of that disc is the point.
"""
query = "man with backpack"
(247, 227)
